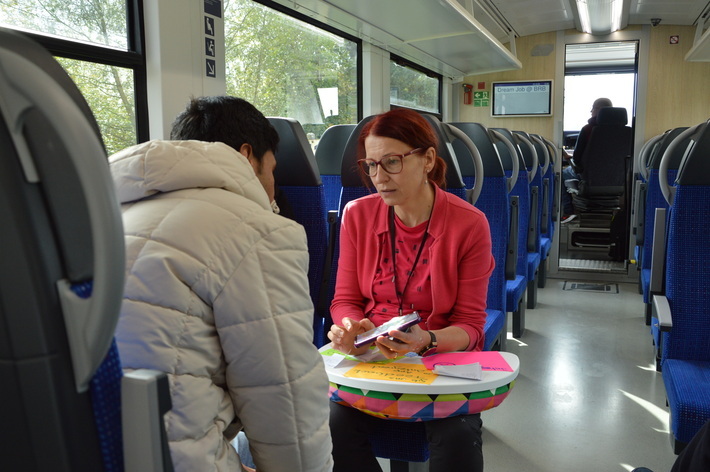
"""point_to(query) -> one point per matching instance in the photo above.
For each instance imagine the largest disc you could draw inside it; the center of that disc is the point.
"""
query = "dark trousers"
(455, 443)
(695, 457)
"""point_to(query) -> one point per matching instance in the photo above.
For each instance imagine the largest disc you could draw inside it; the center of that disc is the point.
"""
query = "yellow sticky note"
(395, 372)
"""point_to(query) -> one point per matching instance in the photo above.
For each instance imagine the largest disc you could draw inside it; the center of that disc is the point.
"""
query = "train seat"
(639, 198)
(61, 285)
(604, 171)
(668, 158)
(400, 442)
(683, 312)
(329, 155)
(298, 177)
(533, 161)
(495, 204)
(520, 200)
(654, 199)
(546, 192)
(603, 165)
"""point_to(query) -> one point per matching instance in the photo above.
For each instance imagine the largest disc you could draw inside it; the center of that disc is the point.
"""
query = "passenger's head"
(237, 123)
(600, 103)
(400, 131)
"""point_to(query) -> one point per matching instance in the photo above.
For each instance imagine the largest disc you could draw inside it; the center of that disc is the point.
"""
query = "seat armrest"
(533, 226)
(662, 311)
(658, 255)
(145, 398)
(511, 255)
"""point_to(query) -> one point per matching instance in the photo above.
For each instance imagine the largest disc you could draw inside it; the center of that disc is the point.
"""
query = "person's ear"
(246, 151)
(431, 158)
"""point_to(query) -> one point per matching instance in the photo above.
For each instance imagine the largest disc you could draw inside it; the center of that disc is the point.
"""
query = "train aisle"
(588, 397)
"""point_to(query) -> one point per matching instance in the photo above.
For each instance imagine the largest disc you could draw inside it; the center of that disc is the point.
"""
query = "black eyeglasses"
(392, 164)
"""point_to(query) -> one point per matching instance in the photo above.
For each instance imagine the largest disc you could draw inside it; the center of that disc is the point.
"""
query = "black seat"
(603, 166)
(61, 286)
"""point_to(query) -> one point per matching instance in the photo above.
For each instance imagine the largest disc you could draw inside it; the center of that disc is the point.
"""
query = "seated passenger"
(570, 174)
(217, 293)
(410, 247)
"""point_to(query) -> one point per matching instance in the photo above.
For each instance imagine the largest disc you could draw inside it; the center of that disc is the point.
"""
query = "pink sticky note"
(489, 360)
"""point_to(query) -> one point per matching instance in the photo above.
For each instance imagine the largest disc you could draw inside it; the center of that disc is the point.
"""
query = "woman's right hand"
(343, 337)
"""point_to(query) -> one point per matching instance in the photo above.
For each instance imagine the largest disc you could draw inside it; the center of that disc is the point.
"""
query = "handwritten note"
(396, 372)
(489, 360)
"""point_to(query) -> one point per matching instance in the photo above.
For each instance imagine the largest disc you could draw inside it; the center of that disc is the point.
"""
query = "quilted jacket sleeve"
(275, 375)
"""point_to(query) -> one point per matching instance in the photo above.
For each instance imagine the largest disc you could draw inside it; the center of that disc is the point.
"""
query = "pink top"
(415, 289)
(459, 256)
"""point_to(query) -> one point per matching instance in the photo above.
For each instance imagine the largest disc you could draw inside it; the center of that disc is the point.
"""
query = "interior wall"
(678, 91)
(535, 67)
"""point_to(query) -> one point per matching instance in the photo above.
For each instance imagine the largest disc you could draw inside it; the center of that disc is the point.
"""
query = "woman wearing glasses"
(410, 247)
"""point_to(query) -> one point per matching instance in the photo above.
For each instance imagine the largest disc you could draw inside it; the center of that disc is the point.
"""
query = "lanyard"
(393, 228)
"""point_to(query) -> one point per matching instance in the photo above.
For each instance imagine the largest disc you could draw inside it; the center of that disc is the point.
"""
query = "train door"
(596, 240)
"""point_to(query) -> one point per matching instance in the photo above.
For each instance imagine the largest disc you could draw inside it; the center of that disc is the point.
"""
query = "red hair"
(411, 128)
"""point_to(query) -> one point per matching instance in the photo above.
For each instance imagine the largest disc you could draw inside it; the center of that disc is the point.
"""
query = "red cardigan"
(460, 258)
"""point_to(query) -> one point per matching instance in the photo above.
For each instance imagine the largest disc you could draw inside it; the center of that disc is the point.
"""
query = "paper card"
(333, 360)
(396, 372)
(489, 360)
(468, 371)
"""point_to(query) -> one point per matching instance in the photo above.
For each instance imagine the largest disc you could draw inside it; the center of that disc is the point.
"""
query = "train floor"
(588, 397)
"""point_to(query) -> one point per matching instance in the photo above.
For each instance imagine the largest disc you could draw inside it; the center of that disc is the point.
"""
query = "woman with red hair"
(410, 247)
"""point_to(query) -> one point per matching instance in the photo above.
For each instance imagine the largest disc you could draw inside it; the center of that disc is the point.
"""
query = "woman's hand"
(413, 340)
(343, 337)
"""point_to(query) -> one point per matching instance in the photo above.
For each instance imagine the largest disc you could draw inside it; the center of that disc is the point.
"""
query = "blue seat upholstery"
(329, 155)
(684, 312)
(639, 199)
(533, 163)
(521, 190)
(298, 177)
(494, 203)
(61, 276)
(654, 199)
(670, 149)
(545, 200)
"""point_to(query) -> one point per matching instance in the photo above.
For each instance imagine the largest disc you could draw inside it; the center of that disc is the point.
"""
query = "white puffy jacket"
(217, 297)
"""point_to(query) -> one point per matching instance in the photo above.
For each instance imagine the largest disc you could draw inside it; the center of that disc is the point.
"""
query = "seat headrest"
(489, 154)
(296, 164)
(349, 175)
(329, 153)
(612, 116)
(695, 166)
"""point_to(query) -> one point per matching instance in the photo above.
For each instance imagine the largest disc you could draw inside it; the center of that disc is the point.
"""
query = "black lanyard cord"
(393, 228)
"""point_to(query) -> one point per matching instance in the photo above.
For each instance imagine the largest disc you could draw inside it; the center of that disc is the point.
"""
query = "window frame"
(429, 73)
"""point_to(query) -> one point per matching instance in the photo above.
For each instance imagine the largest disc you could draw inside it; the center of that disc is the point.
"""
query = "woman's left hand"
(398, 343)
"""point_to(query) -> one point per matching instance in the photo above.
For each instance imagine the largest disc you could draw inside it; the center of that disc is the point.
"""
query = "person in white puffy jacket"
(217, 294)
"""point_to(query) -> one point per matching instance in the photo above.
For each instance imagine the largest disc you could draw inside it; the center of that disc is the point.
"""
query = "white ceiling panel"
(439, 34)
(671, 12)
(536, 16)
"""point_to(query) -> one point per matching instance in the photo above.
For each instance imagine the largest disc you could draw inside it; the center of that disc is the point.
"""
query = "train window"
(99, 48)
(414, 88)
(291, 68)
(95, 22)
(109, 91)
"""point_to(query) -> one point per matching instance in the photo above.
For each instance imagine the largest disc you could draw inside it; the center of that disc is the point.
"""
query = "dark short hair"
(411, 128)
(230, 120)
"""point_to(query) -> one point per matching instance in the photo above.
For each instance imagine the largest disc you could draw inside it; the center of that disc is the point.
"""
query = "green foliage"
(279, 63)
(108, 90)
